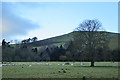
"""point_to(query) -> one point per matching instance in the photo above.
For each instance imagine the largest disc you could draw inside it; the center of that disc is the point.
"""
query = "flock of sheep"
(30, 65)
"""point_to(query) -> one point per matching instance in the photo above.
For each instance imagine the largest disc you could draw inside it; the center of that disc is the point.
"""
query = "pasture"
(59, 70)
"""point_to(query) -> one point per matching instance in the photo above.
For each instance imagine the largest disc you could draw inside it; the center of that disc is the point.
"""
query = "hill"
(62, 39)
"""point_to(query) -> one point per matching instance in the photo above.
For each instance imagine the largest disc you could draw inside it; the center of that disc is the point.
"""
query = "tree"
(34, 39)
(8, 44)
(3, 42)
(28, 40)
(70, 51)
(24, 44)
(23, 41)
(90, 37)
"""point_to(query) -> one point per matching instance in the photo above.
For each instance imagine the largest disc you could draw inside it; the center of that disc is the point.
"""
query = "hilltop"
(62, 39)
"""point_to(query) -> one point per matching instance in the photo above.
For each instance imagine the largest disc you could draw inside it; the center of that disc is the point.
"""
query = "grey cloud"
(14, 25)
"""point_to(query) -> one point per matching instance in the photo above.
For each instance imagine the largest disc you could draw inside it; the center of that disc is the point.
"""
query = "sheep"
(30, 65)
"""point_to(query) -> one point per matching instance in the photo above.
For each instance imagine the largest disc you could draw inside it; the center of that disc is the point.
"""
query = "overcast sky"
(21, 20)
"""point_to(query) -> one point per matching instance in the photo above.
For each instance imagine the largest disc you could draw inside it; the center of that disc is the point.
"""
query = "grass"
(101, 70)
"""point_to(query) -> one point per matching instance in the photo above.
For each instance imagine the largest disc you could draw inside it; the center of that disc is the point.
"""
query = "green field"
(101, 70)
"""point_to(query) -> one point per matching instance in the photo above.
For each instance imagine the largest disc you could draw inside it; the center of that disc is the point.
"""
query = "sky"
(22, 20)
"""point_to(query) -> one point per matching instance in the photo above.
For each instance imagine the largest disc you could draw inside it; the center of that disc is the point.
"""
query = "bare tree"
(3, 42)
(23, 41)
(28, 40)
(90, 37)
(34, 39)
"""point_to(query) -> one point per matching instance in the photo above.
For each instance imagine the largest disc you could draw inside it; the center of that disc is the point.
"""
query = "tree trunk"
(92, 63)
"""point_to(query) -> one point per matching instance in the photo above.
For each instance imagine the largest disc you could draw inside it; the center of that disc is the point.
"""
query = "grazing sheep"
(30, 65)
(81, 64)
(47, 64)
(50, 64)
(0, 65)
(4, 64)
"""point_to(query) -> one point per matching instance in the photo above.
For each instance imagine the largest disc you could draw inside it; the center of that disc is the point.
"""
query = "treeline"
(21, 53)
(29, 40)
(17, 52)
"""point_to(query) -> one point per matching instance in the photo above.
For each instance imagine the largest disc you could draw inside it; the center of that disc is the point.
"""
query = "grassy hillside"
(61, 40)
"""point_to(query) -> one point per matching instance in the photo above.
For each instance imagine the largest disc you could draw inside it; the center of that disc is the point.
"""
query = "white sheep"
(0, 65)
(30, 65)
